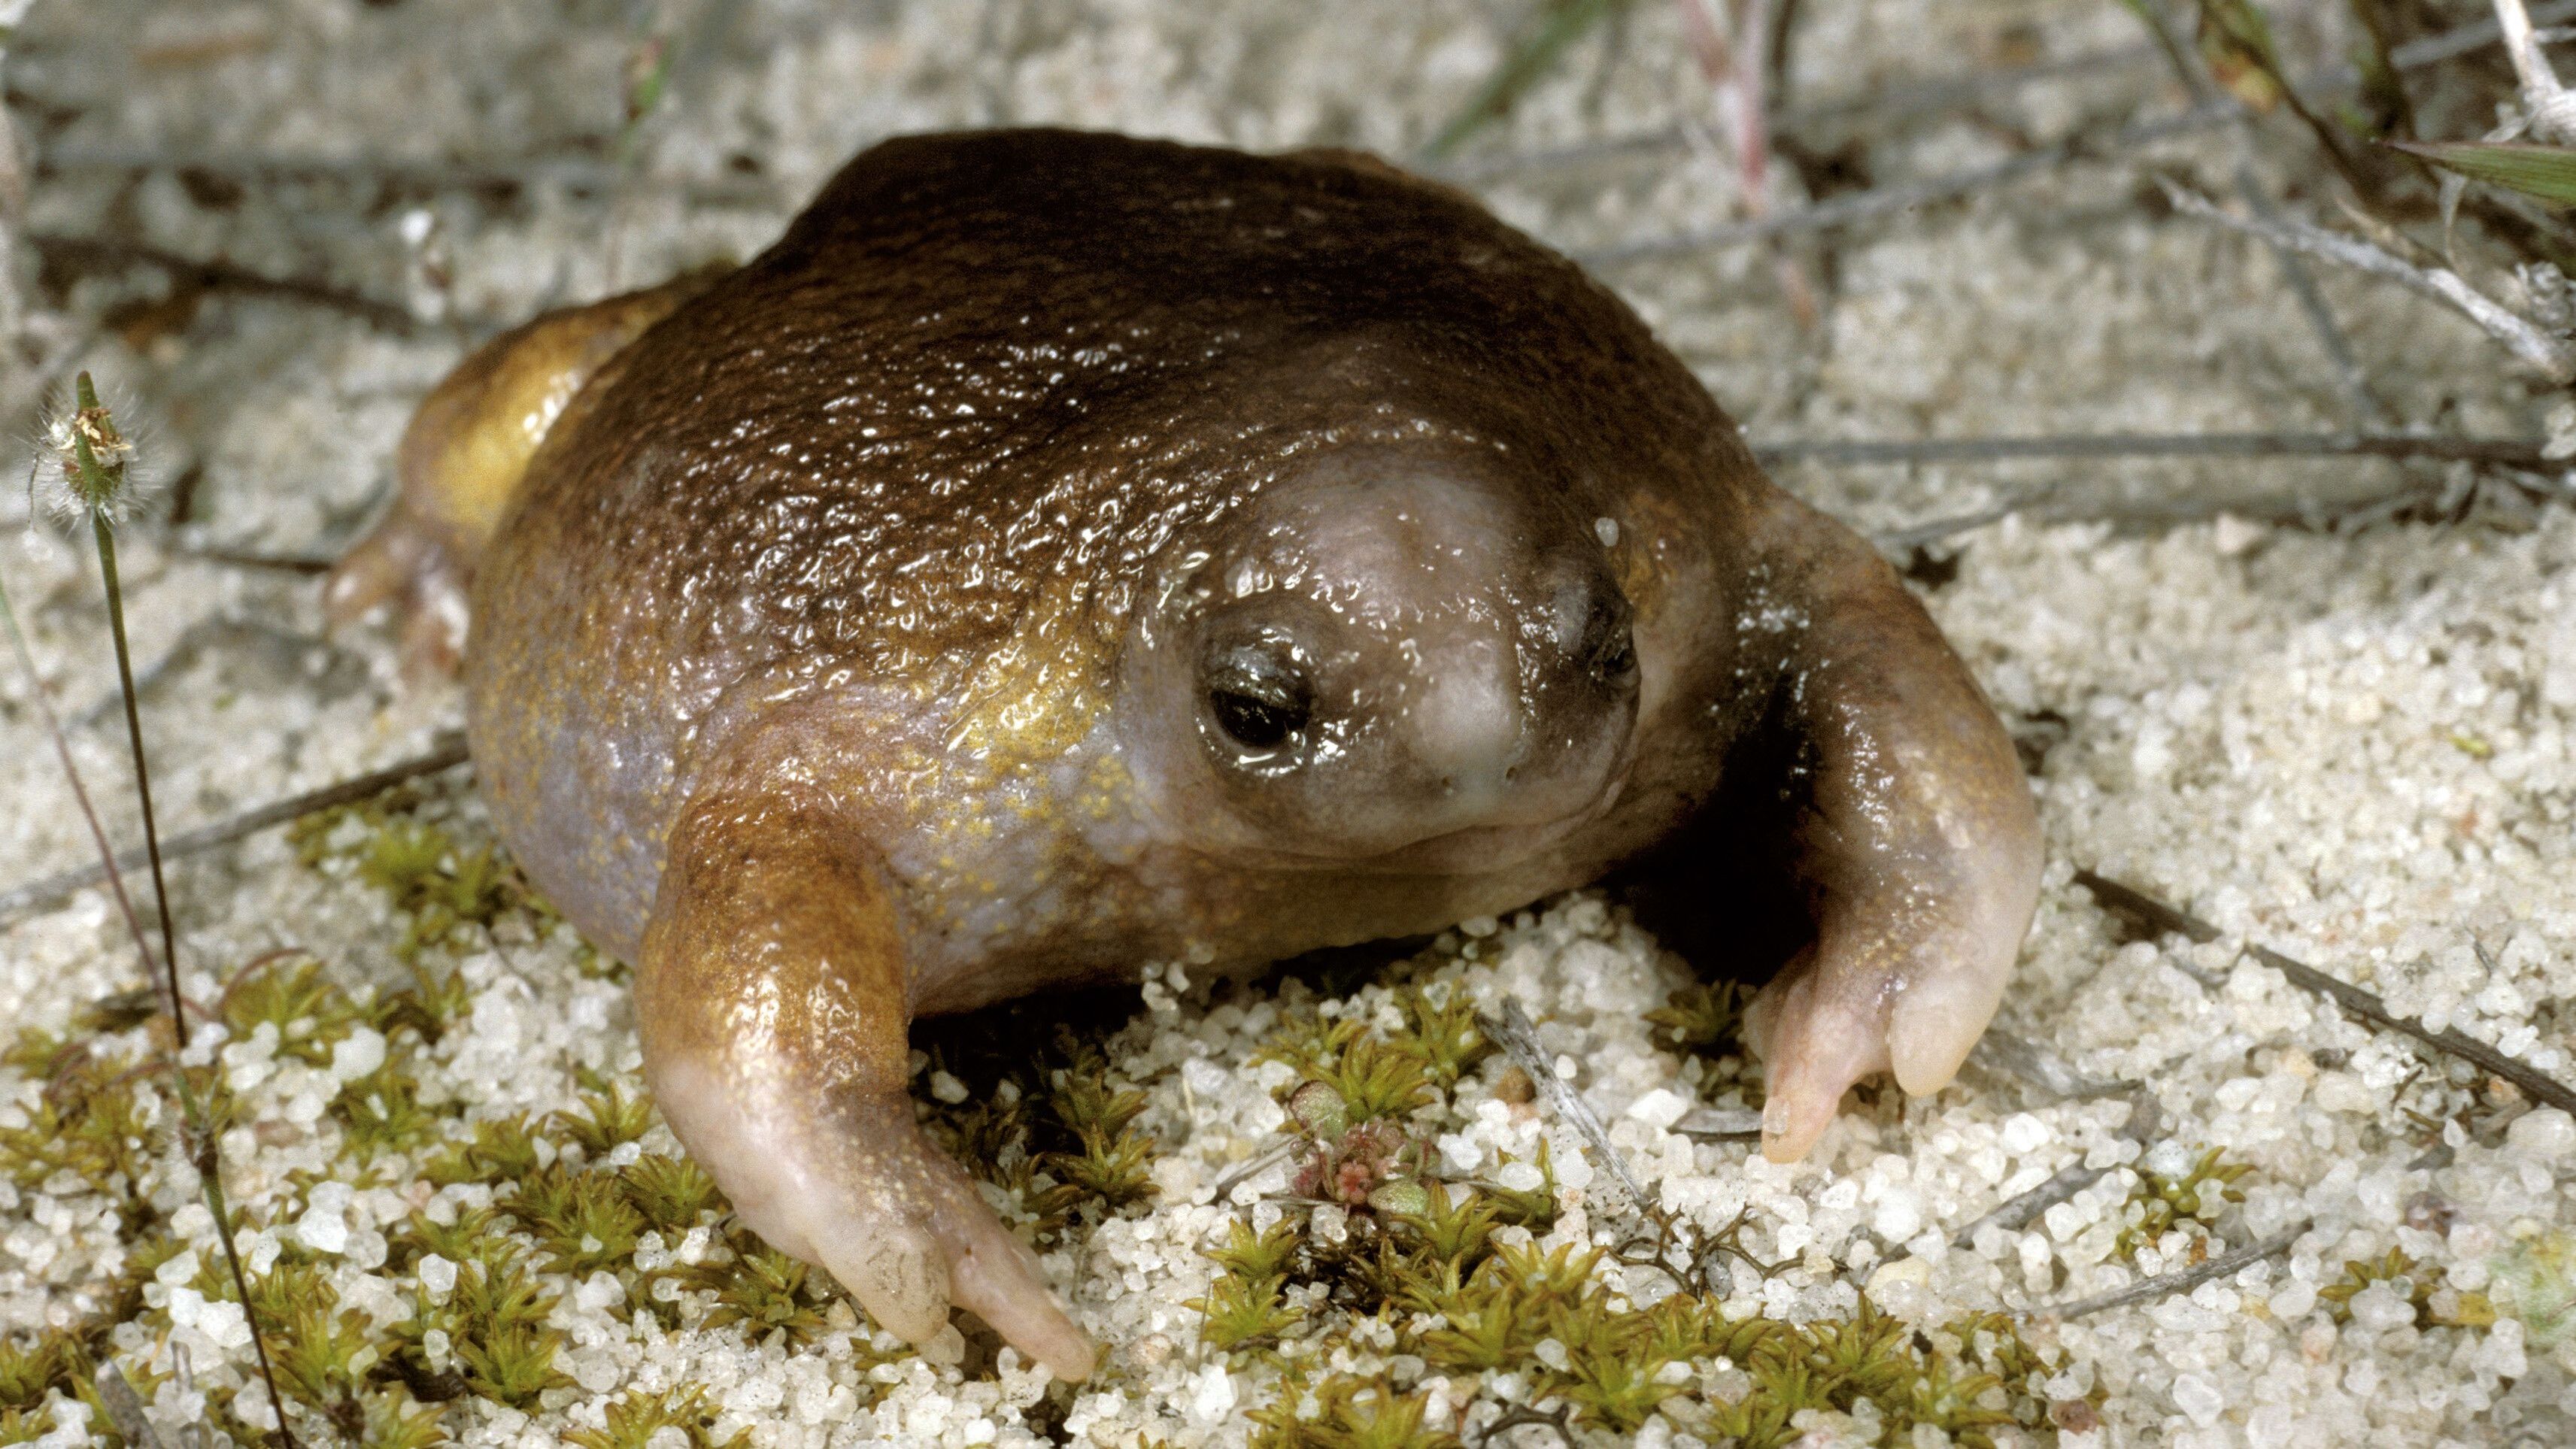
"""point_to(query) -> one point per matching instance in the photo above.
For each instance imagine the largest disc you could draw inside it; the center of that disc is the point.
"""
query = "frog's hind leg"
(462, 457)
(1919, 848)
(774, 1001)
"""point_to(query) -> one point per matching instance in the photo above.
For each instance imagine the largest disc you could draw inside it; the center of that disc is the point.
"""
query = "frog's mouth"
(1487, 847)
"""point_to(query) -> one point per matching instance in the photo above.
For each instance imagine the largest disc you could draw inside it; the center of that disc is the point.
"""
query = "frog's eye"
(1258, 696)
(1607, 648)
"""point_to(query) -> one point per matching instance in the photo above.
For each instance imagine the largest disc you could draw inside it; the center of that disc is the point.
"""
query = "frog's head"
(1386, 660)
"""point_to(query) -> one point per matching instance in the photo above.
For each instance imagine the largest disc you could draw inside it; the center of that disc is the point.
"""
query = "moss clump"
(1045, 1118)
(93, 1120)
(1243, 1308)
(608, 1120)
(1704, 1019)
(582, 1221)
(289, 993)
(762, 1290)
(2189, 1200)
(1352, 1413)
(673, 1193)
(2426, 1288)
(489, 1337)
(440, 885)
(632, 1421)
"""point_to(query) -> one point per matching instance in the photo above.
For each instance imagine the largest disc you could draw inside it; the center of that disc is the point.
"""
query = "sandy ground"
(2358, 747)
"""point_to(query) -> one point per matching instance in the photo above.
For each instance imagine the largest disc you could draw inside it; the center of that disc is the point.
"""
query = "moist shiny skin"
(907, 620)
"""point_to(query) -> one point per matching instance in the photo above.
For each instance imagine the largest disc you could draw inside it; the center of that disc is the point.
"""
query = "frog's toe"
(406, 564)
(914, 1237)
(1909, 965)
(903, 1229)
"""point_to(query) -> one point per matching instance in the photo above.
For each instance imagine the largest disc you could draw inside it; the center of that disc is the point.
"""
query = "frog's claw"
(1921, 849)
(773, 998)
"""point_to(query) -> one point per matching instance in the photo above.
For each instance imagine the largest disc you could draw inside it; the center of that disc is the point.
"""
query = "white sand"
(2361, 751)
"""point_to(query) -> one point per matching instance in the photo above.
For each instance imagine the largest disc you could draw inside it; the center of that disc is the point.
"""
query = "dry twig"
(445, 756)
(2165, 1285)
(1520, 1041)
(2547, 355)
(2362, 1005)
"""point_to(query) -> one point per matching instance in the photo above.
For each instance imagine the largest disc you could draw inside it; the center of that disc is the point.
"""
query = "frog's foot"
(861, 1192)
(1921, 851)
(773, 996)
(408, 563)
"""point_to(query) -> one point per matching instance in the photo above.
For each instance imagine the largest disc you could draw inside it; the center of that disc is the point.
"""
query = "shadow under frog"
(1062, 551)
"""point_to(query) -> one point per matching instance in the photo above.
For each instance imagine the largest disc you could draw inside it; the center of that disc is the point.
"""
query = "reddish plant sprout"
(1356, 1165)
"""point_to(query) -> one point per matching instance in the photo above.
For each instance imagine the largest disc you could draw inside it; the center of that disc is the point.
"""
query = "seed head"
(93, 459)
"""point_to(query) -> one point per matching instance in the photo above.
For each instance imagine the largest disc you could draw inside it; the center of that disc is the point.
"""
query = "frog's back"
(934, 441)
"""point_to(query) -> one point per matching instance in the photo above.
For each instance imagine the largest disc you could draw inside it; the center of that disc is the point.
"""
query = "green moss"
(1441, 1032)
(439, 885)
(761, 1289)
(289, 992)
(2417, 1283)
(580, 1219)
(494, 1320)
(1705, 1019)
(633, 1420)
(502, 1149)
(1243, 1308)
(672, 1193)
(2161, 1204)
(382, 1112)
(89, 1121)
(609, 1119)
(1353, 1413)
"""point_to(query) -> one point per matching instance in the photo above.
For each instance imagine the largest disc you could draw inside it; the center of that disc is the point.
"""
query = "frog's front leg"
(774, 1001)
(1920, 848)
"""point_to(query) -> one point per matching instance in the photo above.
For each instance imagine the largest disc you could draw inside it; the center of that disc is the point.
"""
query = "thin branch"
(1520, 1041)
(2016, 1215)
(1940, 95)
(2362, 1005)
(502, 175)
(2165, 1285)
(2505, 452)
(2535, 348)
(1908, 196)
(445, 756)
(2552, 111)
(219, 274)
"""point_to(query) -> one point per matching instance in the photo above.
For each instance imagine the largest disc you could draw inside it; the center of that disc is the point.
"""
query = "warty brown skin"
(1062, 551)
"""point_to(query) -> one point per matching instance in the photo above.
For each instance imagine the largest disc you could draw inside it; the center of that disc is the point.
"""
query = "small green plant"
(761, 1289)
(501, 1149)
(609, 1119)
(2188, 1200)
(382, 1112)
(1442, 1034)
(632, 1421)
(2417, 1283)
(1109, 1162)
(582, 1219)
(1243, 1308)
(494, 1323)
(1704, 1019)
(671, 1192)
(290, 993)
(1356, 1413)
